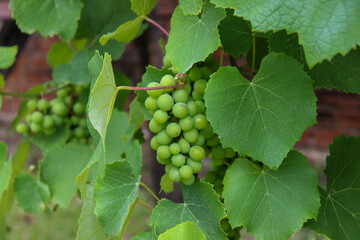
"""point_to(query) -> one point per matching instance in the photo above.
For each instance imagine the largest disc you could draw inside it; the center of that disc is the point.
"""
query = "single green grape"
(67, 100)
(180, 95)
(154, 143)
(31, 105)
(213, 141)
(184, 146)
(161, 116)
(206, 72)
(173, 130)
(151, 103)
(49, 131)
(37, 117)
(187, 88)
(84, 140)
(195, 165)
(82, 123)
(164, 152)
(60, 109)
(218, 151)
(62, 93)
(42, 104)
(166, 62)
(175, 148)
(155, 127)
(48, 121)
(200, 121)
(200, 141)
(22, 128)
(197, 153)
(28, 119)
(79, 132)
(35, 127)
(217, 161)
(174, 174)
(188, 181)
(154, 93)
(58, 120)
(201, 106)
(191, 136)
(165, 102)
(167, 80)
(186, 123)
(168, 167)
(174, 70)
(163, 138)
(178, 160)
(199, 86)
(192, 108)
(195, 73)
(229, 153)
(207, 131)
(74, 120)
(162, 161)
(79, 109)
(180, 110)
(185, 172)
(197, 96)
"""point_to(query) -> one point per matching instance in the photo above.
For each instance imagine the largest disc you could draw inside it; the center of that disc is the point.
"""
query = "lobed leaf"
(143, 7)
(191, 7)
(187, 230)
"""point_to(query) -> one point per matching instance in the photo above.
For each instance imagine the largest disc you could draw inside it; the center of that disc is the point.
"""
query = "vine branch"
(148, 88)
(138, 200)
(157, 25)
(149, 190)
(33, 95)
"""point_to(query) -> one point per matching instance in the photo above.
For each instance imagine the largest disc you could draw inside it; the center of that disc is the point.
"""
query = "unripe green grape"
(207, 131)
(22, 128)
(174, 70)
(195, 73)
(211, 177)
(165, 102)
(80, 88)
(166, 62)
(84, 140)
(187, 88)
(167, 80)
(163, 152)
(200, 86)
(28, 119)
(60, 109)
(229, 153)
(163, 138)
(200, 141)
(200, 121)
(212, 142)
(31, 105)
(154, 143)
(178, 160)
(173, 130)
(168, 167)
(79, 132)
(37, 117)
(195, 166)
(192, 108)
(152, 112)
(186, 123)
(42, 105)
(35, 127)
(230, 233)
(180, 110)
(58, 120)
(237, 235)
(163, 161)
(67, 100)
(180, 95)
(161, 116)
(48, 121)
(155, 127)
(174, 174)
(62, 93)
(218, 161)
(154, 93)
(225, 226)
(188, 181)
(151, 103)
(218, 151)
(191, 136)
(185, 172)
(201, 106)
(206, 72)
(49, 131)
(184, 146)
(197, 153)
(74, 120)
(197, 96)
(79, 108)
(175, 148)
(54, 101)
(82, 123)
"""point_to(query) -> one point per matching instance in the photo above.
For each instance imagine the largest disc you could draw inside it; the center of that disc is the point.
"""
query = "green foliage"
(7, 56)
(187, 230)
(59, 53)
(339, 212)
(143, 7)
(5, 169)
(191, 7)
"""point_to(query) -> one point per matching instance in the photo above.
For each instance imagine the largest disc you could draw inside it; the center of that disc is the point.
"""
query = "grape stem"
(157, 25)
(148, 88)
(149, 190)
(138, 200)
(31, 95)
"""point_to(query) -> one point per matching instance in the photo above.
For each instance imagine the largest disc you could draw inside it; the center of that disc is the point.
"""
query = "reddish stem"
(148, 88)
(157, 25)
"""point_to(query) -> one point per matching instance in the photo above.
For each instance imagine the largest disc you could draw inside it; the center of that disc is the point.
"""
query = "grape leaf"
(7, 56)
(166, 184)
(49, 17)
(5, 169)
(102, 97)
(136, 115)
(315, 21)
(263, 118)
(191, 7)
(143, 7)
(339, 214)
(59, 53)
(75, 72)
(145, 236)
(30, 192)
(60, 167)
(197, 37)
(46, 142)
(271, 204)
(187, 230)
(201, 206)
(134, 155)
(236, 35)
(89, 226)
(115, 195)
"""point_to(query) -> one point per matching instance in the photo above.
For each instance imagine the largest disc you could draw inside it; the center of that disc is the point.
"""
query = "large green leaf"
(46, 142)
(201, 206)
(5, 169)
(75, 72)
(143, 7)
(30, 192)
(49, 17)
(183, 231)
(115, 195)
(236, 35)
(197, 37)
(339, 214)
(7, 56)
(191, 7)
(271, 204)
(325, 28)
(59, 53)
(263, 118)
(102, 97)
(136, 115)
(60, 167)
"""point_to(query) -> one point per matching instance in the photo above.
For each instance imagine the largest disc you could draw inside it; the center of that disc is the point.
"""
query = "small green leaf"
(201, 206)
(197, 37)
(145, 236)
(143, 7)
(187, 230)
(191, 7)
(30, 192)
(125, 32)
(102, 97)
(5, 169)
(236, 35)
(271, 204)
(263, 118)
(166, 184)
(46, 142)
(133, 156)
(59, 53)
(136, 115)
(115, 195)
(7, 56)
(339, 214)
(75, 72)
(60, 167)
(52, 16)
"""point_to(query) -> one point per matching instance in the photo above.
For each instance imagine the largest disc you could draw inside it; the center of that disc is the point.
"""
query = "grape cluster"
(65, 110)
(232, 234)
